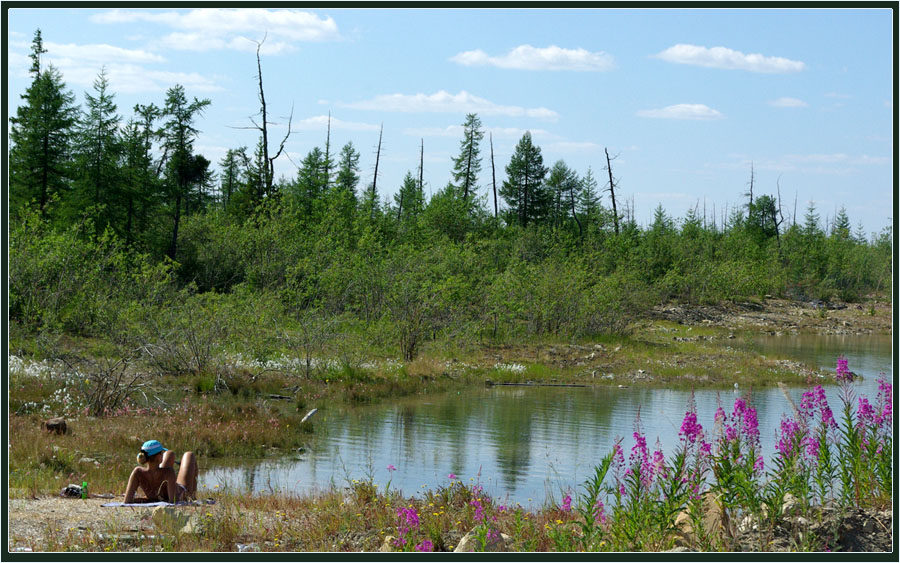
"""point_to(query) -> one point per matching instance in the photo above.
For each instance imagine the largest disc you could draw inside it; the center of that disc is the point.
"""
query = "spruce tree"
(98, 151)
(524, 190)
(40, 135)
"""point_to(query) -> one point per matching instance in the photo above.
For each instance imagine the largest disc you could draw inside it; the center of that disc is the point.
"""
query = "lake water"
(528, 444)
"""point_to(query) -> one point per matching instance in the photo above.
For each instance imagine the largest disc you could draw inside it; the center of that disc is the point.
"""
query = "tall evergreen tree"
(40, 135)
(98, 153)
(841, 227)
(348, 170)
(185, 172)
(468, 164)
(523, 190)
(588, 203)
(409, 199)
(230, 177)
(311, 179)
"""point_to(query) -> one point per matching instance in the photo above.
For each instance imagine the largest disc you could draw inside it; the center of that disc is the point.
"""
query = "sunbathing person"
(157, 478)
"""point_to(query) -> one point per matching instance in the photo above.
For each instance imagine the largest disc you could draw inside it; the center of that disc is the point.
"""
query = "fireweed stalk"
(850, 454)
(485, 524)
(697, 461)
(648, 498)
(591, 508)
(737, 463)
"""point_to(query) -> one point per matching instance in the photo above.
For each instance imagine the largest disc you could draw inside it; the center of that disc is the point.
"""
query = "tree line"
(548, 250)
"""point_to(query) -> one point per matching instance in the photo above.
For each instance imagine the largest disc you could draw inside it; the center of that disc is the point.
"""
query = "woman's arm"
(132, 486)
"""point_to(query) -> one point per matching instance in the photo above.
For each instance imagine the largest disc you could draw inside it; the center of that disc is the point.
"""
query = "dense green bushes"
(251, 285)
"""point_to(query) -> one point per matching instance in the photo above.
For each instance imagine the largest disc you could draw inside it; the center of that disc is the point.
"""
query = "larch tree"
(185, 171)
(468, 164)
(40, 135)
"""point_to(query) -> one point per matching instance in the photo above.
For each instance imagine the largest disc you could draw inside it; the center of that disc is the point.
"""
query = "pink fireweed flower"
(691, 430)
(746, 415)
(865, 413)
(789, 430)
(566, 504)
(659, 463)
(886, 400)
(451, 476)
(425, 546)
(843, 374)
(599, 516)
(731, 433)
(759, 464)
(391, 468)
(812, 448)
(720, 415)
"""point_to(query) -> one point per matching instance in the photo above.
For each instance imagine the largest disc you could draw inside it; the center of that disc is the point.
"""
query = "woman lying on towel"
(157, 478)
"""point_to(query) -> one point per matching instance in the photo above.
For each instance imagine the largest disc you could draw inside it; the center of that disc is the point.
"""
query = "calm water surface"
(527, 444)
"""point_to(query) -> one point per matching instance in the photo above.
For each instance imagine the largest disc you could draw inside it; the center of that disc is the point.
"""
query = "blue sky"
(686, 99)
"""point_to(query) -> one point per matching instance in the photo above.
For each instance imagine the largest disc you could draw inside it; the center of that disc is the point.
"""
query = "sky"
(685, 100)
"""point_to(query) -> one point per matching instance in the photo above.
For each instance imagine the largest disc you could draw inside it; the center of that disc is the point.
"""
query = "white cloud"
(217, 28)
(130, 78)
(444, 102)
(682, 111)
(526, 57)
(787, 102)
(722, 57)
(320, 123)
(101, 53)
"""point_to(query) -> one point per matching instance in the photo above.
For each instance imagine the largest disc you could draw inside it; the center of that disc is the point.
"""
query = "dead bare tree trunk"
(375, 177)
(328, 153)
(779, 219)
(493, 174)
(612, 192)
(422, 167)
(263, 127)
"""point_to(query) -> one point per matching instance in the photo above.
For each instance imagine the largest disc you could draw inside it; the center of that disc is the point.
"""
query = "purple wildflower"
(479, 511)
(865, 413)
(690, 429)
(659, 462)
(451, 476)
(789, 430)
(843, 374)
(567, 504)
(720, 415)
(425, 546)
(391, 467)
(599, 515)
(885, 399)
(759, 464)
(730, 433)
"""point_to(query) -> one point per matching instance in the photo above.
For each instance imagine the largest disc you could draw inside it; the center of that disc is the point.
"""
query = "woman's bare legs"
(187, 474)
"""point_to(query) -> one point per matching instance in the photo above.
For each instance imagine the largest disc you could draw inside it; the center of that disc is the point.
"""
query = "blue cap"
(152, 447)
